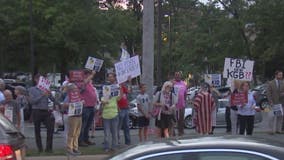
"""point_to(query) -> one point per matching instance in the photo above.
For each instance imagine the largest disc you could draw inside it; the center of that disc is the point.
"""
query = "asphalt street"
(58, 142)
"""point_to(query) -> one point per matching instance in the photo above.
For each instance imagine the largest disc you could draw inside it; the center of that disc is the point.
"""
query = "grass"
(91, 150)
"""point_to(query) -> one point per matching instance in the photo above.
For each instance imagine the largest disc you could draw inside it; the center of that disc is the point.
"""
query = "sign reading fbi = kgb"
(239, 69)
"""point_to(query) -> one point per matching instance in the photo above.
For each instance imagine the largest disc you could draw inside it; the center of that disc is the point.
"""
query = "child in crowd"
(143, 104)
(74, 104)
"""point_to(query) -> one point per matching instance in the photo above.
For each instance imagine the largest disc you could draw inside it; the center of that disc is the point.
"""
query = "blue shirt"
(248, 109)
(2, 98)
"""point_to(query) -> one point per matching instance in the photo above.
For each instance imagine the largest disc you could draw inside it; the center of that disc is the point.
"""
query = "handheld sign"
(8, 113)
(239, 98)
(277, 110)
(43, 84)
(76, 76)
(75, 105)
(213, 79)
(110, 91)
(94, 64)
(240, 69)
(126, 68)
(75, 109)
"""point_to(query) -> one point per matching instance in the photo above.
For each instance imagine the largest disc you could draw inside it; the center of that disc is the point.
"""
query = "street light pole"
(32, 56)
(159, 42)
(170, 40)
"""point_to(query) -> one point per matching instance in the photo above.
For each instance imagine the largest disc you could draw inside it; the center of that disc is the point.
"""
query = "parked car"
(260, 95)
(206, 148)
(12, 141)
(192, 92)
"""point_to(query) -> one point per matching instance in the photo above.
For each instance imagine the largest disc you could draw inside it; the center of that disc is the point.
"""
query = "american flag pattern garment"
(203, 107)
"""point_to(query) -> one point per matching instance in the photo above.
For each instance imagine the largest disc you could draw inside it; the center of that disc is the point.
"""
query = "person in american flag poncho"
(203, 106)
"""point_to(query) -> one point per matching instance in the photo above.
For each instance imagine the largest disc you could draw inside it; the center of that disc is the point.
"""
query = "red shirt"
(122, 103)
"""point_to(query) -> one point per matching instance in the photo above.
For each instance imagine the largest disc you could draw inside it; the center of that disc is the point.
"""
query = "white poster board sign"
(126, 68)
(75, 108)
(8, 113)
(213, 79)
(110, 91)
(277, 110)
(239, 69)
(94, 64)
(43, 84)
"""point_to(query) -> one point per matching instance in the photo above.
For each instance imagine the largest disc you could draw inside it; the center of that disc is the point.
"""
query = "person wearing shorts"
(143, 104)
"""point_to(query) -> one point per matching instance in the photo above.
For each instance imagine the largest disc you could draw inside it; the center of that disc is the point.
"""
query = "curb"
(83, 157)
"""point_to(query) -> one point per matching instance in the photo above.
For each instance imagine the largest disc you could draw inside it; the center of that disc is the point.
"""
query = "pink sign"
(43, 84)
(76, 76)
(239, 98)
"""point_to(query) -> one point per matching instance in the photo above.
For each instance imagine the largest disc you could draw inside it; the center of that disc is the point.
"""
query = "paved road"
(58, 142)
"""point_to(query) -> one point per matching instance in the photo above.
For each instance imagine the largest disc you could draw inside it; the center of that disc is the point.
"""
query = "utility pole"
(159, 42)
(148, 45)
(32, 55)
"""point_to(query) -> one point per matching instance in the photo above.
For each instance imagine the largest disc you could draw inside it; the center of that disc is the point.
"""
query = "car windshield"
(7, 125)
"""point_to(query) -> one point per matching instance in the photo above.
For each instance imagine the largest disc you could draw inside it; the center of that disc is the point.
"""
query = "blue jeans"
(87, 119)
(110, 131)
(124, 124)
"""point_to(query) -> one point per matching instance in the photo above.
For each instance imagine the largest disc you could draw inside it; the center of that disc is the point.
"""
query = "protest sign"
(94, 64)
(240, 69)
(43, 84)
(110, 91)
(213, 79)
(75, 108)
(277, 110)
(76, 76)
(8, 113)
(126, 68)
(239, 98)
(75, 105)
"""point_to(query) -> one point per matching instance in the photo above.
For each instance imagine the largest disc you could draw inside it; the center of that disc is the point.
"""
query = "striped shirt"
(203, 106)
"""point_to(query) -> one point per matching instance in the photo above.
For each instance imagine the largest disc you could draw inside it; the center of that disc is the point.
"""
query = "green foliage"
(65, 33)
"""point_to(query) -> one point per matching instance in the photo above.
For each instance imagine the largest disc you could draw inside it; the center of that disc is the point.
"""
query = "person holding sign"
(275, 95)
(110, 113)
(247, 111)
(89, 96)
(10, 109)
(123, 113)
(74, 104)
(38, 98)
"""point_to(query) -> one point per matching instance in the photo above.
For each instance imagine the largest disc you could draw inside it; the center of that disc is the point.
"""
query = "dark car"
(12, 141)
(260, 95)
(207, 148)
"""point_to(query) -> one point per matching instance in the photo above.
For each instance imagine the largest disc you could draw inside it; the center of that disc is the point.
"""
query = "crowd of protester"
(167, 110)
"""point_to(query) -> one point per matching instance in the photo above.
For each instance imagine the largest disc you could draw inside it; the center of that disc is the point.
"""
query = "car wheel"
(188, 122)
(264, 103)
